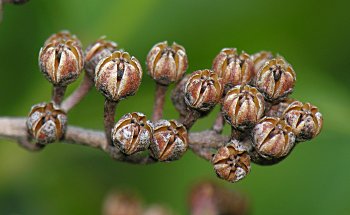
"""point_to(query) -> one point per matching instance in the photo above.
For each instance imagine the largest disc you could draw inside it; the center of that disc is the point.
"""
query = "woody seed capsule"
(305, 120)
(231, 162)
(259, 59)
(132, 133)
(118, 76)
(169, 141)
(61, 62)
(243, 106)
(276, 79)
(46, 123)
(95, 52)
(234, 69)
(62, 37)
(273, 138)
(203, 90)
(167, 64)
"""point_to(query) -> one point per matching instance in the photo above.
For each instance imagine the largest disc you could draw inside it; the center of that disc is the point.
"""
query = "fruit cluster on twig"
(252, 91)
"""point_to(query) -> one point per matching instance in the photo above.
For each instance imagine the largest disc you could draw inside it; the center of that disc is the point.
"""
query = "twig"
(109, 113)
(201, 142)
(78, 94)
(219, 123)
(159, 102)
(58, 94)
(190, 118)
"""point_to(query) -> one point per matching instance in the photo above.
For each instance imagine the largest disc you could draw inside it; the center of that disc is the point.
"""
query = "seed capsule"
(276, 79)
(234, 69)
(273, 138)
(305, 120)
(243, 106)
(259, 59)
(118, 76)
(62, 37)
(167, 64)
(61, 62)
(46, 123)
(132, 133)
(203, 90)
(95, 52)
(231, 162)
(170, 140)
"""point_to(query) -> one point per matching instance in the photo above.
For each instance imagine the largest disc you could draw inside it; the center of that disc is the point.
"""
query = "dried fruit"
(61, 62)
(273, 138)
(234, 69)
(167, 64)
(95, 52)
(259, 59)
(118, 76)
(170, 140)
(305, 120)
(62, 37)
(243, 106)
(122, 203)
(203, 90)
(132, 133)
(46, 123)
(276, 79)
(231, 162)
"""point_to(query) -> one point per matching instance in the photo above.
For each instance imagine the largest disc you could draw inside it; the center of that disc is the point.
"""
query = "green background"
(312, 35)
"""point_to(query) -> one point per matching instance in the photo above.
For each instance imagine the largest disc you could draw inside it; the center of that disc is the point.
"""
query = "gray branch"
(14, 128)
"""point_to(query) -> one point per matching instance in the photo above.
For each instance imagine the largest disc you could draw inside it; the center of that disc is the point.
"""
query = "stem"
(219, 123)
(202, 143)
(237, 135)
(178, 97)
(34, 147)
(159, 102)
(58, 94)
(78, 94)
(109, 113)
(191, 117)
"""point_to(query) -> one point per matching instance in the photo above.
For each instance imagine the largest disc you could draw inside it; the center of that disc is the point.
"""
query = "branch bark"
(201, 143)
(159, 102)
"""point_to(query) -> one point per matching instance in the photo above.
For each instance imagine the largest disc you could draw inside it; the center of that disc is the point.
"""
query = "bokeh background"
(312, 35)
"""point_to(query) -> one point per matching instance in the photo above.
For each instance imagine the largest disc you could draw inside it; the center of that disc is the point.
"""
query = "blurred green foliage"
(313, 35)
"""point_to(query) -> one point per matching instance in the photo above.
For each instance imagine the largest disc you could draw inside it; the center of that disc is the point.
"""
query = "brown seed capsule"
(259, 59)
(61, 62)
(62, 37)
(305, 120)
(95, 52)
(273, 138)
(234, 69)
(243, 106)
(276, 79)
(231, 162)
(203, 90)
(170, 140)
(132, 133)
(46, 123)
(122, 203)
(167, 64)
(118, 76)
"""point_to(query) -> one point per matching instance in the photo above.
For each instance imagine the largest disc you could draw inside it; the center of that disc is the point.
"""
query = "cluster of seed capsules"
(252, 90)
